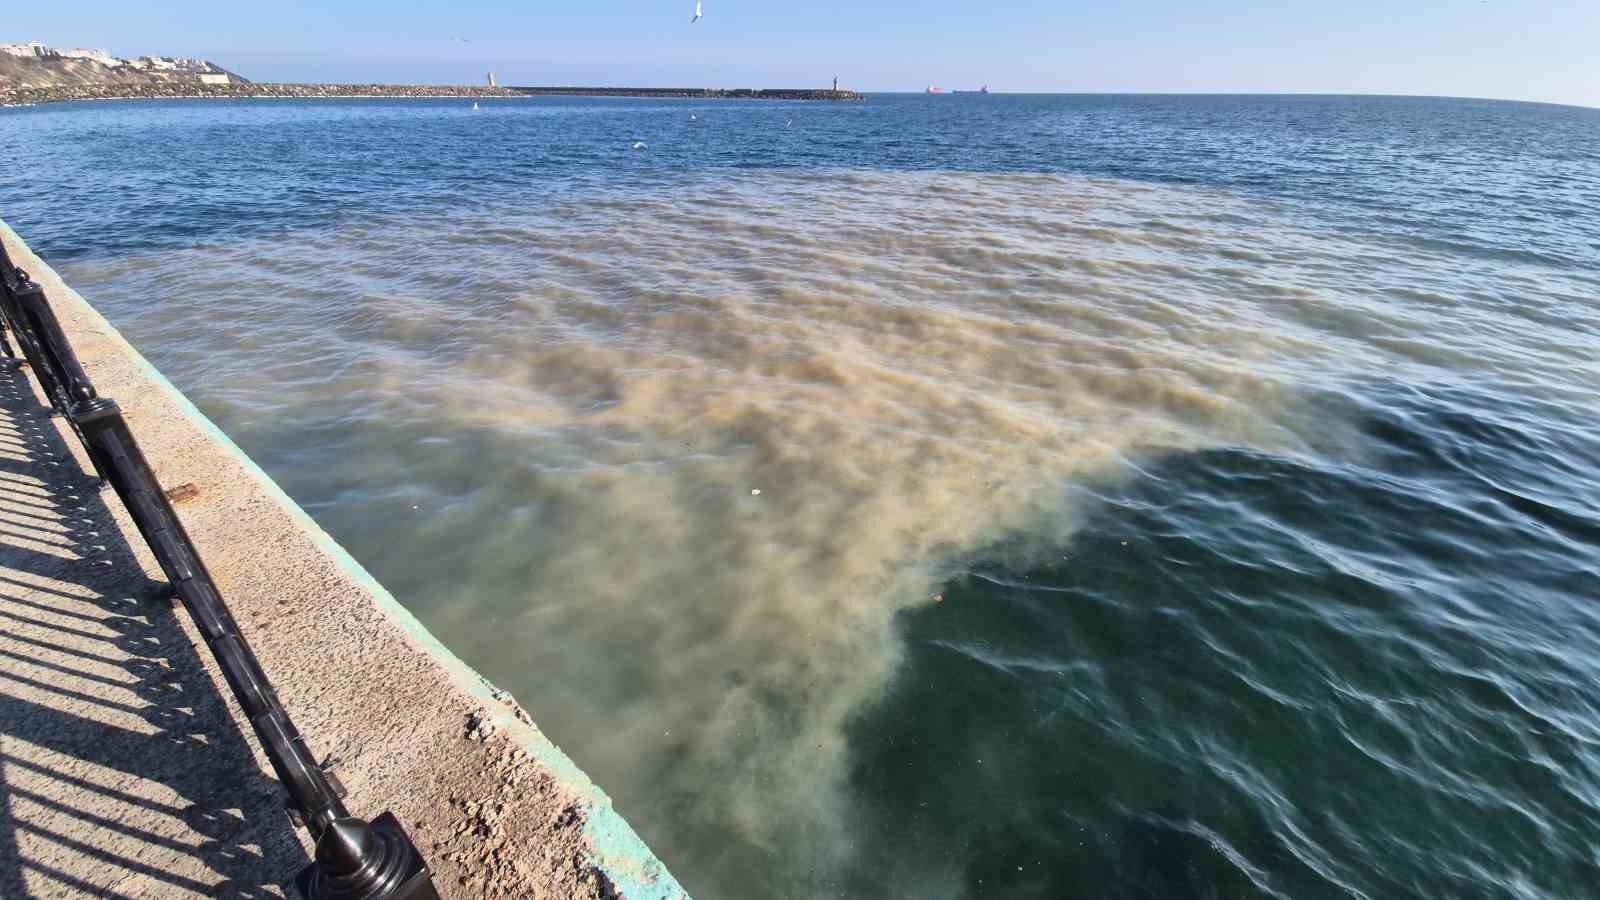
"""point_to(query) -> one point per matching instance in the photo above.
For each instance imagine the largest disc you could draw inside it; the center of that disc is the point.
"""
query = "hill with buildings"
(33, 73)
(35, 66)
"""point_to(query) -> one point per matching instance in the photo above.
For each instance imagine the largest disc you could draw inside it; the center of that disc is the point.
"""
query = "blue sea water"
(1159, 496)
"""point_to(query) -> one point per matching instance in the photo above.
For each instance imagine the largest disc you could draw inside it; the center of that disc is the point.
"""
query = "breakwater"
(693, 93)
(30, 96)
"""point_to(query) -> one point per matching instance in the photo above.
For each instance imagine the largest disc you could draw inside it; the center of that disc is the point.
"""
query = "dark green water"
(1252, 677)
(1159, 497)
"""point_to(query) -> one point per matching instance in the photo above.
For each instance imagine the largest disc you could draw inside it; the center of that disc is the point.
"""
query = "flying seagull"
(698, 13)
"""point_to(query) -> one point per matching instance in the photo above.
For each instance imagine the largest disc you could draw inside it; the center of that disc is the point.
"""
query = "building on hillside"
(31, 48)
(103, 57)
(213, 78)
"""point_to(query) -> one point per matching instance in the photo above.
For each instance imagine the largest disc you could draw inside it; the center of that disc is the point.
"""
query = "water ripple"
(1247, 444)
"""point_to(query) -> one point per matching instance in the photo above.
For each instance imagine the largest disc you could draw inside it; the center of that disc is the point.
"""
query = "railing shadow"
(122, 772)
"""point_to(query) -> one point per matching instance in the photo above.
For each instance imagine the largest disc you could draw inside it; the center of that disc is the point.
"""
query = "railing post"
(58, 369)
(8, 276)
(354, 860)
(5, 343)
(14, 286)
(53, 345)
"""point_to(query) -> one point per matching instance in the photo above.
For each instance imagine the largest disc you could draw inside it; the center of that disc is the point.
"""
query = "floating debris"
(186, 491)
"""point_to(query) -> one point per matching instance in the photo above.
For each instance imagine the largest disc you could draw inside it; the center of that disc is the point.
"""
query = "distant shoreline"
(192, 91)
(813, 94)
(34, 96)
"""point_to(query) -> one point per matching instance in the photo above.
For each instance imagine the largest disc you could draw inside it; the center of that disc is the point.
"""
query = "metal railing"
(354, 859)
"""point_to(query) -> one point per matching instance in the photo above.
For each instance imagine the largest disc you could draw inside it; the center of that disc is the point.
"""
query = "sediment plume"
(554, 455)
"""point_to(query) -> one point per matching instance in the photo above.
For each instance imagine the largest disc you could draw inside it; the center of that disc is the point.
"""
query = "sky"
(1526, 50)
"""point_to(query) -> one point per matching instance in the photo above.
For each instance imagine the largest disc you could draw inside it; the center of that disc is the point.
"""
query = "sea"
(935, 496)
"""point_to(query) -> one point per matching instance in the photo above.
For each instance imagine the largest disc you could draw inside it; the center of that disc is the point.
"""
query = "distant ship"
(981, 90)
(935, 90)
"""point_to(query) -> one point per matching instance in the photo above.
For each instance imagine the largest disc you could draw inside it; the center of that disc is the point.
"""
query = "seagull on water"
(699, 13)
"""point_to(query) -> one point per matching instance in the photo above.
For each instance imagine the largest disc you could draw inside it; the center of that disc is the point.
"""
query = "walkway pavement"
(122, 773)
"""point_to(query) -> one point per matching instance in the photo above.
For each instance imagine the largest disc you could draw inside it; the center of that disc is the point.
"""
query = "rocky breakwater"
(27, 96)
(693, 93)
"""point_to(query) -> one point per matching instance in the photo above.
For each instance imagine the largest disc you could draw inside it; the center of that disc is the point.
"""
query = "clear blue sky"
(1517, 49)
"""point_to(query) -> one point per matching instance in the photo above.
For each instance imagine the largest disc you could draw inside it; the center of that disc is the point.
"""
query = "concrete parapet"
(496, 808)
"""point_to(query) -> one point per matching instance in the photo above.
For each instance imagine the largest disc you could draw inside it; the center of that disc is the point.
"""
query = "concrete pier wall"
(498, 810)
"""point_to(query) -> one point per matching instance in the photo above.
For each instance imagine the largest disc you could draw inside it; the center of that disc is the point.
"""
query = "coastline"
(35, 96)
